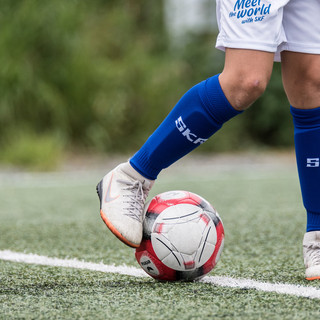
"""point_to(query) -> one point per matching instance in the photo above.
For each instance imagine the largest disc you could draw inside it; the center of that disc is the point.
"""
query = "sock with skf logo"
(307, 144)
(198, 115)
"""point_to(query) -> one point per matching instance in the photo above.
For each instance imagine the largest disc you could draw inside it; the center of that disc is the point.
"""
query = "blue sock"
(307, 143)
(198, 115)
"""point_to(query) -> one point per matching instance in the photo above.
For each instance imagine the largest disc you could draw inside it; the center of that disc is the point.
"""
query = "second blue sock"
(198, 115)
(307, 143)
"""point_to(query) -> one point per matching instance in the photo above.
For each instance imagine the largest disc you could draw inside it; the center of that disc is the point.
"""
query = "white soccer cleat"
(311, 254)
(122, 193)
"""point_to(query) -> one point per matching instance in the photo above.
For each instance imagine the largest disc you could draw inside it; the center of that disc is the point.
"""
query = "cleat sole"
(313, 278)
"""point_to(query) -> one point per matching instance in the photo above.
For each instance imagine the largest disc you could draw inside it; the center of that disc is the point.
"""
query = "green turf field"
(57, 215)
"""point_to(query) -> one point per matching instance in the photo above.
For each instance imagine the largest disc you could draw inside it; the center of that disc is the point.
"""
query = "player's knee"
(304, 91)
(243, 87)
(248, 91)
(307, 78)
(254, 86)
(312, 81)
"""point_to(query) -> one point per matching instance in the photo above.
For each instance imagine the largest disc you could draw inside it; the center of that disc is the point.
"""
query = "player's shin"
(198, 115)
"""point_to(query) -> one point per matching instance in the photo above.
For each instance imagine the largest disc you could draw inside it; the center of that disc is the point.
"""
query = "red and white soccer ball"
(183, 237)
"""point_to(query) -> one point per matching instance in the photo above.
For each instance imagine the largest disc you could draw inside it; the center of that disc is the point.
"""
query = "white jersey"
(269, 25)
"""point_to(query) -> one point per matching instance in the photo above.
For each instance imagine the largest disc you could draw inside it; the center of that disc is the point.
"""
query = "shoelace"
(136, 198)
(313, 252)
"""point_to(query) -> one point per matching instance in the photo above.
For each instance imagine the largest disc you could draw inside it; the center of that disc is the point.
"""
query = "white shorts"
(269, 25)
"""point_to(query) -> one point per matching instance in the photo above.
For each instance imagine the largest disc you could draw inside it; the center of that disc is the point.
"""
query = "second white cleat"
(311, 254)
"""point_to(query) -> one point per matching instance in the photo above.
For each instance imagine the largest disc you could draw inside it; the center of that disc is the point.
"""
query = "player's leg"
(198, 115)
(301, 78)
(253, 30)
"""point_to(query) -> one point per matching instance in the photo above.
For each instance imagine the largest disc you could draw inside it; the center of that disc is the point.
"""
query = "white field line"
(280, 288)
(69, 263)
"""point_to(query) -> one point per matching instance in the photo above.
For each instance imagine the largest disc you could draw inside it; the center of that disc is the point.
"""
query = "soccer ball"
(183, 237)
